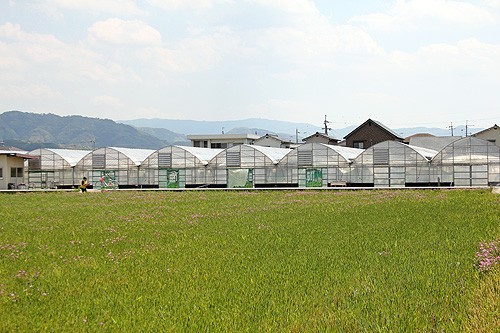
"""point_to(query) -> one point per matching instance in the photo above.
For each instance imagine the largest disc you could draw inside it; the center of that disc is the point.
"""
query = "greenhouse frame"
(248, 166)
(467, 162)
(178, 167)
(318, 165)
(113, 167)
(392, 164)
(54, 168)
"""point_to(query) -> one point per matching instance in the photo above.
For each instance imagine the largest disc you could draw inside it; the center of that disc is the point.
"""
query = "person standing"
(83, 185)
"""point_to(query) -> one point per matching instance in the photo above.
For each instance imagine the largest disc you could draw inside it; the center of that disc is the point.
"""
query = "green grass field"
(247, 261)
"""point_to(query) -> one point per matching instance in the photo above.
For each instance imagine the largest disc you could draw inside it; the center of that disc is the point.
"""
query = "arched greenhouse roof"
(391, 152)
(135, 155)
(203, 154)
(250, 156)
(320, 154)
(180, 156)
(70, 156)
(346, 152)
(469, 150)
(274, 154)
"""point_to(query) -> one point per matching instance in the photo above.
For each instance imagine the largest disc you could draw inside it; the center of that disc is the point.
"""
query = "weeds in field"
(488, 256)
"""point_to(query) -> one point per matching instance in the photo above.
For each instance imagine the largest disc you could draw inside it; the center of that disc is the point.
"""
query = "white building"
(12, 168)
(221, 141)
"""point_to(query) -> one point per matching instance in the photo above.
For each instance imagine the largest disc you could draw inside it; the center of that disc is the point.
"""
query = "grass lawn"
(248, 261)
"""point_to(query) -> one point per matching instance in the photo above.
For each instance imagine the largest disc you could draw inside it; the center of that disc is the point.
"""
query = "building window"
(1, 173)
(358, 144)
(202, 144)
(218, 145)
(16, 172)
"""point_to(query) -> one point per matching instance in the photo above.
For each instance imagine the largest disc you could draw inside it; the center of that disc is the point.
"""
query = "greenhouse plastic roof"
(433, 142)
(275, 154)
(70, 155)
(346, 152)
(426, 152)
(136, 155)
(203, 154)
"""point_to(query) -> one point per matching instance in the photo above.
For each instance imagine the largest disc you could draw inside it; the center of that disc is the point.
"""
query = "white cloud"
(300, 7)
(493, 3)
(116, 7)
(48, 58)
(118, 31)
(467, 55)
(107, 101)
(192, 53)
(412, 14)
(29, 91)
(187, 4)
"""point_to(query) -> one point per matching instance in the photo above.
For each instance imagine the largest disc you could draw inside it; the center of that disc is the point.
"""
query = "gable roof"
(274, 137)
(494, 127)
(320, 134)
(379, 124)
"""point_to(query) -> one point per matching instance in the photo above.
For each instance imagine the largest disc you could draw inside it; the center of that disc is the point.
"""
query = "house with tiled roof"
(370, 133)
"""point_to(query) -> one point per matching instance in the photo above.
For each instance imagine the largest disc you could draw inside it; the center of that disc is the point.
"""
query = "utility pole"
(326, 122)
(467, 128)
(451, 128)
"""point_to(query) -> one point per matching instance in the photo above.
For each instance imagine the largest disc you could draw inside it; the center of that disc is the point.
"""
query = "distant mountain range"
(30, 131)
(284, 129)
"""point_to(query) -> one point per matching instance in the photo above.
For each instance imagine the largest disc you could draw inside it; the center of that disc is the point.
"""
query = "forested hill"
(30, 131)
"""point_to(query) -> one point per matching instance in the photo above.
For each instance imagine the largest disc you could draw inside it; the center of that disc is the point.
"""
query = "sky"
(405, 63)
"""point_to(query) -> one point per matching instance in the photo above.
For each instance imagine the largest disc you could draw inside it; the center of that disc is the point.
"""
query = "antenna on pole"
(326, 128)
(451, 128)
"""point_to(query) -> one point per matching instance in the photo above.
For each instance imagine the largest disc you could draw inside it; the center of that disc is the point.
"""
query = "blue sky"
(405, 62)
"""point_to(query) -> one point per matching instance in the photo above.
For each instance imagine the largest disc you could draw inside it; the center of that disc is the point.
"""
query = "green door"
(314, 178)
(168, 178)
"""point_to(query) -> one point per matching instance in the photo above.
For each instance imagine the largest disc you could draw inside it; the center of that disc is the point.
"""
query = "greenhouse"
(392, 164)
(113, 167)
(248, 166)
(318, 165)
(178, 167)
(467, 162)
(54, 168)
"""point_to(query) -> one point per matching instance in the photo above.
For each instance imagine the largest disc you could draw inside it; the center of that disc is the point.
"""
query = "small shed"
(12, 171)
